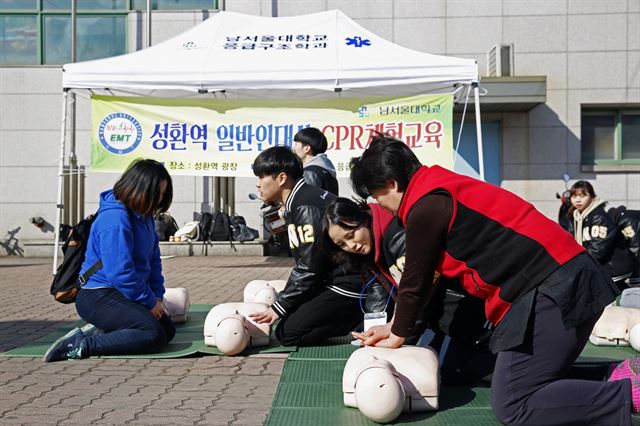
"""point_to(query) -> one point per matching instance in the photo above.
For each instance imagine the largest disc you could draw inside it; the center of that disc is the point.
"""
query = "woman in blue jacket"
(123, 297)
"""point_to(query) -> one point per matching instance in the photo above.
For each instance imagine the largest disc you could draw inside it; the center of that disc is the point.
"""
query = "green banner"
(222, 137)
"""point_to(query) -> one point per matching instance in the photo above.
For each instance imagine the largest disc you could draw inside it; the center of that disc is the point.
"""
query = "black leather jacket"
(603, 240)
(321, 177)
(304, 214)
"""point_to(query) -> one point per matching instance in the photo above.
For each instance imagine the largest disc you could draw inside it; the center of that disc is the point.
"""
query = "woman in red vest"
(542, 292)
(373, 240)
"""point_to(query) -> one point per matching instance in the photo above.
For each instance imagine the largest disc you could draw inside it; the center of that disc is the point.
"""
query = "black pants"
(531, 386)
(326, 314)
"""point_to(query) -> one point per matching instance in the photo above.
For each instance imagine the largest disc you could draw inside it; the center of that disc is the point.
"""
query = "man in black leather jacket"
(310, 145)
(320, 299)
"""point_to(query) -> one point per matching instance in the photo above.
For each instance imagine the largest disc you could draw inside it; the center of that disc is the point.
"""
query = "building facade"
(568, 101)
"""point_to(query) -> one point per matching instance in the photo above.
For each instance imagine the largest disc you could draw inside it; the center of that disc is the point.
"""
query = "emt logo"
(120, 133)
(357, 41)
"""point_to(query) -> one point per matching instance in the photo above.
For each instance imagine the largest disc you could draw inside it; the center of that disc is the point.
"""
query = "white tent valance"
(231, 51)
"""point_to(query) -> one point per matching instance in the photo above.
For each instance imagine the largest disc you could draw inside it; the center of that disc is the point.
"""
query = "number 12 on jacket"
(301, 234)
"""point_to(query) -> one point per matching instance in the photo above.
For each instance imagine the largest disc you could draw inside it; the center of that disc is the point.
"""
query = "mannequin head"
(266, 295)
(232, 337)
(378, 392)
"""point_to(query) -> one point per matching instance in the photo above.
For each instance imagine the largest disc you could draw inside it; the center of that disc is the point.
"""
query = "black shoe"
(66, 347)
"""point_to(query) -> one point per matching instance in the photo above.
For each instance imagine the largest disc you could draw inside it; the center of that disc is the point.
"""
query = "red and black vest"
(498, 245)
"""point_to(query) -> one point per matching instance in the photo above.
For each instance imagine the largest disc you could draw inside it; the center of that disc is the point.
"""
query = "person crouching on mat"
(542, 291)
(321, 299)
(122, 297)
(372, 238)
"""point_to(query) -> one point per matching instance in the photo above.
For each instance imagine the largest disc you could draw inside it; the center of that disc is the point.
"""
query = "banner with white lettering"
(222, 137)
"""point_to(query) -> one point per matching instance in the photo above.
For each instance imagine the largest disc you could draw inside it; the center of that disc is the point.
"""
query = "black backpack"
(240, 231)
(67, 280)
(205, 222)
(165, 226)
(220, 229)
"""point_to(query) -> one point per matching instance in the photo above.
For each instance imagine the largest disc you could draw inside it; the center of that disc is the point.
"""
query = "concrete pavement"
(210, 390)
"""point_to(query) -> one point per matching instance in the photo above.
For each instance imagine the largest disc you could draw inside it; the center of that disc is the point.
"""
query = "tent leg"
(59, 206)
(476, 97)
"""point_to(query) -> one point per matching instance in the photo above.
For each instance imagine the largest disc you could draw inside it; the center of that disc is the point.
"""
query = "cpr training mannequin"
(384, 382)
(176, 301)
(229, 328)
(263, 291)
(618, 326)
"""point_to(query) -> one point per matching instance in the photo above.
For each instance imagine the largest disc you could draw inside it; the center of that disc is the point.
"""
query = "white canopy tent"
(322, 54)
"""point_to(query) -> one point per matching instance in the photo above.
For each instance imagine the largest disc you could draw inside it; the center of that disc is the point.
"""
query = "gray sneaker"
(66, 347)
(90, 330)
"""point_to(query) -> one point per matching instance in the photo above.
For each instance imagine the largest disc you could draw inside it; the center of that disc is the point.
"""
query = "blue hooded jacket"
(129, 251)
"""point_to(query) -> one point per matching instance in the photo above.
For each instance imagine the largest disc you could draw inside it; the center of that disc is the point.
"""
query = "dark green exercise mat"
(189, 340)
(310, 393)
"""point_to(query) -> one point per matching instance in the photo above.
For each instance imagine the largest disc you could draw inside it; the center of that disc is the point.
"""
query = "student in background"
(596, 231)
(310, 146)
(122, 297)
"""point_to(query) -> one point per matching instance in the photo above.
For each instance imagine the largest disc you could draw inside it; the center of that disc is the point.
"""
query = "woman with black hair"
(122, 296)
(374, 240)
(596, 231)
(542, 291)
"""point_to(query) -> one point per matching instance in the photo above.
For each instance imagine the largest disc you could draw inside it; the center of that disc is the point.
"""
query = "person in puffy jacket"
(373, 239)
(122, 297)
(310, 145)
(594, 229)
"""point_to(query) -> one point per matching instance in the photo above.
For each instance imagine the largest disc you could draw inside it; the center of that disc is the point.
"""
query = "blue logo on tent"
(120, 133)
(357, 41)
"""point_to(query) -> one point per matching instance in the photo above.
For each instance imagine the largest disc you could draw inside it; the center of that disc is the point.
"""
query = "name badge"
(374, 318)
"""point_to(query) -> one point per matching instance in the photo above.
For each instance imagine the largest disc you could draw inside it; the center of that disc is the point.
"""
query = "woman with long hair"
(122, 297)
(372, 239)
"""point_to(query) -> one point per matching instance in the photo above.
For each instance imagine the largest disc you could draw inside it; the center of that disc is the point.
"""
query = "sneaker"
(66, 347)
(629, 369)
(89, 330)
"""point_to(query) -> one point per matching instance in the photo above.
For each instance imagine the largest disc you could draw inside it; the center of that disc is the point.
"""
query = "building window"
(610, 137)
(36, 32)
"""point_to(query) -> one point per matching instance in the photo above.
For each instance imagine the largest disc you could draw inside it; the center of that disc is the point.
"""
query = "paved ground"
(209, 390)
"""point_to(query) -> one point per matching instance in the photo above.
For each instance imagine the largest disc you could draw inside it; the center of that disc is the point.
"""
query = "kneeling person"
(320, 299)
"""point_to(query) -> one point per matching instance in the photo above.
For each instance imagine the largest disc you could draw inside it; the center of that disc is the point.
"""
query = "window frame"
(40, 14)
(617, 163)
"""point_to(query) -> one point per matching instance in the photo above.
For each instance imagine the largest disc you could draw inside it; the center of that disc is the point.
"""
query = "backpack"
(204, 224)
(220, 229)
(67, 280)
(165, 226)
(240, 231)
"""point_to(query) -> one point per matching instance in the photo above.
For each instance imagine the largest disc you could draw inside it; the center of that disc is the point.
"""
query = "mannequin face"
(581, 200)
(358, 240)
(270, 187)
(389, 196)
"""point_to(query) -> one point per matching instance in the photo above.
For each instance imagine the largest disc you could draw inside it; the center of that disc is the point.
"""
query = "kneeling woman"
(374, 240)
(123, 295)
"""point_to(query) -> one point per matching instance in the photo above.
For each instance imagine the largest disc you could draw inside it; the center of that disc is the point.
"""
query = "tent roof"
(233, 51)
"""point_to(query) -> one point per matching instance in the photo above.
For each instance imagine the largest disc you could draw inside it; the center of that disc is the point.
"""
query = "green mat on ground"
(310, 391)
(188, 340)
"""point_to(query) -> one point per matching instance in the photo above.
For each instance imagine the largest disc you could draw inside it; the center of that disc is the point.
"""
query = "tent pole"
(476, 97)
(59, 206)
